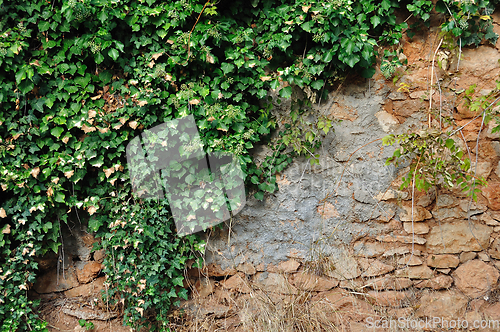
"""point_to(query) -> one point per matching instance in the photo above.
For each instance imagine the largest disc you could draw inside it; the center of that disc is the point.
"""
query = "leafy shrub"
(80, 78)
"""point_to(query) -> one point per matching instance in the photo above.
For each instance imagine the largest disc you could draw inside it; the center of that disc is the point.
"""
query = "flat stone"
(203, 287)
(337, 305)
(390, 283)
(402, 239)
(246, 268)
(484, 169)
(99, 255)
(436, 283)
(494, 250)
(445, 201)
(288, 266)
(419, 213)
(455, 237)
(416, 228)
(313, 283)
(467, 256)
(87, 271)
(448, 213)
(442, 261)
(483, 256)
(377, 268)
(410, 260)
(492, 312)
(475, 278)
(445, 304)
(444, 271)
(238, 283)
(415, 272)
(273, 282)
(91, 289)
(344, 268)
(396, 251)
(214, 270)
(488, 220)
(355, 284)
(389, 298)
(492, 194)
(369, 249)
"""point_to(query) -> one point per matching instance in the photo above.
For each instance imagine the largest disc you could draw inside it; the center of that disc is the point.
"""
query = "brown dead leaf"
(35, 171)
(108, 171)
(210, 58)
(50, 192)
(305, 9)
(103, 130)
(142, 103)
(117, 126)
(4, 187)
(122, 120)
(151, 64)
(55, 180)
(156, 55)
(65, 139)
(6, 229)
(16, 136)
(133, 124)
(266, 78)
(87, 129)
(69, 174)
(211, 119)
(194, 101)
(112, 182)
(170, 41)
(96, 97)
(91, 210)
(3, 214)
(92, 114)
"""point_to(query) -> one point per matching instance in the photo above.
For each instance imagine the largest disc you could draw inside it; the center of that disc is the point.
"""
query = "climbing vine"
(80, 78)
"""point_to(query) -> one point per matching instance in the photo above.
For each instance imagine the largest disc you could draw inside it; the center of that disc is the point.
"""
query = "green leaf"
(375, 20)
(98, 58)
(47, 226)
(114, 54)
(43, 26)
(59, 197)
(103, 15)
(227, 67)
(94, 224)
(286, 92)
(57, 131)
(317, 85)
(259, 195)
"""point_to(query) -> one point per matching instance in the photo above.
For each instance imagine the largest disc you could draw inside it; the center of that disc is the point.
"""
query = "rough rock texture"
(475, 278)
(446, 304)
(458, 236)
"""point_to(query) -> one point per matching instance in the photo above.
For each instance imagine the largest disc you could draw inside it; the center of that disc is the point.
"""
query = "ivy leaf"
(259, 195)
(286, 92)
(43, 26)
(227, 67)
(114, 54)
(94, 224)
(317, 84)
(57, 131)
(98, 58)
(59, 197)
(375, 20)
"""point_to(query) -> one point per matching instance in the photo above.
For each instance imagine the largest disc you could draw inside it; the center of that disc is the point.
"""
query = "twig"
(432, 79)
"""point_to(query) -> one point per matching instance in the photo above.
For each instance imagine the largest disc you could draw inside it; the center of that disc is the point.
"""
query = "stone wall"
(343, 230)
